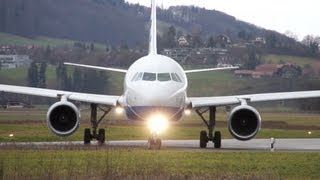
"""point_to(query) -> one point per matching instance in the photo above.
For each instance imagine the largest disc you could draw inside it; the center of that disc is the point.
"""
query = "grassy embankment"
(301, 61)
(130, 163)
(10, 39)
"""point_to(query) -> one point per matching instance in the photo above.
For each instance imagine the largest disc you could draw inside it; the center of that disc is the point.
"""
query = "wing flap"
(231, 100)
(83, 97)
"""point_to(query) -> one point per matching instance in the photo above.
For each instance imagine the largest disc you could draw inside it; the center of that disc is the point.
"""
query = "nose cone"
(152, 95)
(146, 101)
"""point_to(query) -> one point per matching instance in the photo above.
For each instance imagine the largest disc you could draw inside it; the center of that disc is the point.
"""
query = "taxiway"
(227, 145)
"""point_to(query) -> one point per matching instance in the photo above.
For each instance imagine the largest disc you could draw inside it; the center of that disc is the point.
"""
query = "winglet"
(153, 29)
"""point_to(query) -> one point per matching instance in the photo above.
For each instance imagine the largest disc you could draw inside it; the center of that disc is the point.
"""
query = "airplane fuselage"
(155, 84)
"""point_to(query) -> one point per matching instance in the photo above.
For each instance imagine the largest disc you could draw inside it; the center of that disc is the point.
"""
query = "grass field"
(30, 125)
(301, 61)
(10, 39)
(133, 163)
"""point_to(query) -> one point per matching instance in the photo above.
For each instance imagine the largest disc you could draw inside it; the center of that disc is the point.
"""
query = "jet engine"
(63, 118)
(244, 122)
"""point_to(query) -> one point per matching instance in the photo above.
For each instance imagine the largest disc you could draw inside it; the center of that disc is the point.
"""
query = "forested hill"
(110, 21)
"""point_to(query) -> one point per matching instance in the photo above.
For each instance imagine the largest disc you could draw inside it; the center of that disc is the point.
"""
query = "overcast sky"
(301, 17)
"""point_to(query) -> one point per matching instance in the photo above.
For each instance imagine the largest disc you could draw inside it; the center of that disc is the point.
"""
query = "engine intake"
(244, 122)
(63, 118)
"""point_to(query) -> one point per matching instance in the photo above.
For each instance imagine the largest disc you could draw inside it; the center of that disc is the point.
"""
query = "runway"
(303, 145)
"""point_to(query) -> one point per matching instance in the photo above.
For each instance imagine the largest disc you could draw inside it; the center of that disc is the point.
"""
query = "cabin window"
(164, 77)
(149, 76)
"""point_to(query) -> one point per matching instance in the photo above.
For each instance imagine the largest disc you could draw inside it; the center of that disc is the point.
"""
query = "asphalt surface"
(303, 145)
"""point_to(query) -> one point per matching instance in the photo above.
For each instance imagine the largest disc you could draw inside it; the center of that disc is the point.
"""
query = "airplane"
(155, 91)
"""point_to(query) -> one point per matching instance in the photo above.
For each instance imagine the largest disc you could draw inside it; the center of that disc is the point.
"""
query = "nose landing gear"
(154, 142)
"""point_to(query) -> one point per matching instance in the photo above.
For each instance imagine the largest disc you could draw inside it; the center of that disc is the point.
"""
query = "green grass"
(10, 39)
(37, 132)
(30, 125)
(290, 59)
(165, 164)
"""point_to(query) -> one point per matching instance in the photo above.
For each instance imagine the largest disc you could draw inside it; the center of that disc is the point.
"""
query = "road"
(227, 145)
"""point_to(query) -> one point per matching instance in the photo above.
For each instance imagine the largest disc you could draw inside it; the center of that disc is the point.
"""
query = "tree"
(312, 42)
(48, 55)
(64, 82)
(242, 35)
(252, 59)
(291, 35)
(33, 78)
(42, 75)
(271, 40)
(211, 42)
(77, 80)
(196, 41)
(169, 38)
(91, 47)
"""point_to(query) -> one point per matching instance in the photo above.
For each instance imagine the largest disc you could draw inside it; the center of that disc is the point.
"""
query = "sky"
(302, 17)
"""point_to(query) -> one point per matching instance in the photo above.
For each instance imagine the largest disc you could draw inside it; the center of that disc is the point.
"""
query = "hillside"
(200, 84)
(110, 21)
(10, 39)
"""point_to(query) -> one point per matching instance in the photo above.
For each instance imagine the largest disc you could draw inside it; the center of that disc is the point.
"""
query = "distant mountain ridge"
(110, 21)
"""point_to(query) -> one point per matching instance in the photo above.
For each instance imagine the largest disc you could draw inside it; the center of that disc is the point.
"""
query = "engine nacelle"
(244, 122)
(63, 118)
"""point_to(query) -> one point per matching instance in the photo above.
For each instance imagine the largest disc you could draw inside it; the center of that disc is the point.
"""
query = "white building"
(14, 61)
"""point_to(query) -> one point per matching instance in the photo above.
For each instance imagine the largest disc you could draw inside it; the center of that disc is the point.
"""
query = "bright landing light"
(187, 112)
(157, 124)
(119, 110)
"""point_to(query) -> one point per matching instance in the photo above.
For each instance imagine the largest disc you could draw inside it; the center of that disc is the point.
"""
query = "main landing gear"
(100, 136)
(204, 136)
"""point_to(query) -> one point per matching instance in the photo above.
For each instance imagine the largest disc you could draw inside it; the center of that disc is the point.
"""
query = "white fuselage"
(155, 84)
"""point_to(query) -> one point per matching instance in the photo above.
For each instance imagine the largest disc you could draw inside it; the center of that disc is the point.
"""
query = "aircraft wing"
(83, 97)
(231, 100)
(211, 69)
(96, 67)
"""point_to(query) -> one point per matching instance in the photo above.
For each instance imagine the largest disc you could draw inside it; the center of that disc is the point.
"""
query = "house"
(223, 41)
(14, 61)
(259, 41)
(312, 70)
(182, 41)
(272, 70)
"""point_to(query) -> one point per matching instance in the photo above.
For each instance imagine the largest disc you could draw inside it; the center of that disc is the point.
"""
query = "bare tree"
(312, 42)
(292, 35)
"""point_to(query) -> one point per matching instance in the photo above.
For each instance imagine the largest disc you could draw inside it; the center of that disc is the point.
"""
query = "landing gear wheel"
(203, 139)
(154, 143)
(217, 139)
(101, 136)
(158, 143)
(87, 136)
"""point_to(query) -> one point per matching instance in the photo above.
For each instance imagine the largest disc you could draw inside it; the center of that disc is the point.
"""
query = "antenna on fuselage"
(153, 29)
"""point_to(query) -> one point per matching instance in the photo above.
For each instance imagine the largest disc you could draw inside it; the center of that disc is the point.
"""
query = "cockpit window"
(134, 77)
(164, 77)
(176, 77)
(149, 76)
(137, 76)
